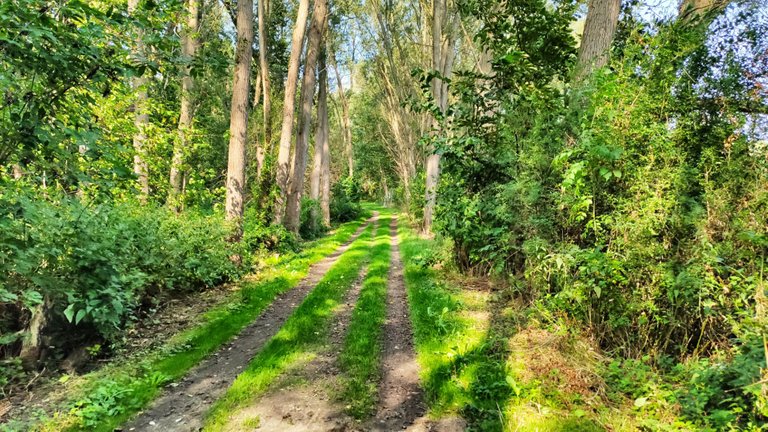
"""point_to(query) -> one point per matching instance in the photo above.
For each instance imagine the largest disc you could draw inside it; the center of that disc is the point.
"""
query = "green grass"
(361, 354)
(296, 339)
(103, 400)
(462, 364)
(462, 340)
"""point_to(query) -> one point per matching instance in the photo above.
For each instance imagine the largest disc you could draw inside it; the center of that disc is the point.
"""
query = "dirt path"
(182, 407)
(401, 401)
(302, 399)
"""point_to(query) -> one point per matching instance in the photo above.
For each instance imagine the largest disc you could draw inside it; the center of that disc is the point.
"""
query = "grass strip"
(295, 340)
(102, 400)
(361, 354)
(448, 332)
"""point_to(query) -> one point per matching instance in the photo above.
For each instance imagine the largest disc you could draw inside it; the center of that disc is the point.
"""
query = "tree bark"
(690, 10)
(33, 346)
(599, 29)
(443, 54)
(319, 174)
(296, 187)
(190, 42)
(284, 153)
(322, 111)
(262, 149)
(141, 116)
(238, 123)
(346, 123)
(325, 178)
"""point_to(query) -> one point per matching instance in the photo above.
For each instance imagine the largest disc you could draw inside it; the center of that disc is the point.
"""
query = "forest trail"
(184, 404)
(401, 399)
(306, 397)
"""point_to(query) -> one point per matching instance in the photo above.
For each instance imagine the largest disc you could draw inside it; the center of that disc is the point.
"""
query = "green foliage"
(345, 200)
(311, 226)
(258, 236)
(95, 263)
(630, 201)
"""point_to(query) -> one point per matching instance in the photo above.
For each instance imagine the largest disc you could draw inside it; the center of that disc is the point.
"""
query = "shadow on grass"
(465, 369)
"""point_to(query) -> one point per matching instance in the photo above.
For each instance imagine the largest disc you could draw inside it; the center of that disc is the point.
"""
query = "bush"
(258, 236)
(345, 200)
(93, 264)
(311, 223)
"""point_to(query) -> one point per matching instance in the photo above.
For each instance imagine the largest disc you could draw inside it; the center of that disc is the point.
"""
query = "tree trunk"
(599, 29)
(325, 174)
(284, 153)
(265, 82)
(33, 346)
(296, 187)
(346, 123)
(692, 9)
(238, 123)
(190, 42)
(443, 54)
(141, 116)
(322, 112)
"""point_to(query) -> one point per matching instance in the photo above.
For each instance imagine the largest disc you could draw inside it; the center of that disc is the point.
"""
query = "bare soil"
(401, 399)
(183, 405)
(303, 399)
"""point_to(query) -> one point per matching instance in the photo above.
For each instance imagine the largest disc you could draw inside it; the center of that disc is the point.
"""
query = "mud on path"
(183, 405)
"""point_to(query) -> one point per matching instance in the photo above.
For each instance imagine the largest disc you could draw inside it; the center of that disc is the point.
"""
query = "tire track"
(182, 407)
(401, 400)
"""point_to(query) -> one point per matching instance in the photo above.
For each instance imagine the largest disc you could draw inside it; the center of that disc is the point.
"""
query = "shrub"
(345, 200)
(311, 224)
(93, 264)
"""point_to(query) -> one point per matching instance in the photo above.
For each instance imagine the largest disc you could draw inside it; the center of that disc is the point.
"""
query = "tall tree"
(238, 123)
(190, 41)
(325, 171)
(346, 123)
(141, 115)
(296, 187)
(443, 54)
(320, 169)
(599, 29)
(317, 163)
(284, 153)
(263, 148)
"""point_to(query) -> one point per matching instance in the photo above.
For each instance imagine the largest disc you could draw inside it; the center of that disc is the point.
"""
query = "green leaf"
(80, 316)
(69, 312)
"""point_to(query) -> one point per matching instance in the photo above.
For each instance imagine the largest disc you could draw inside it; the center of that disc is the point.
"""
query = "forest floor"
(359, 332)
